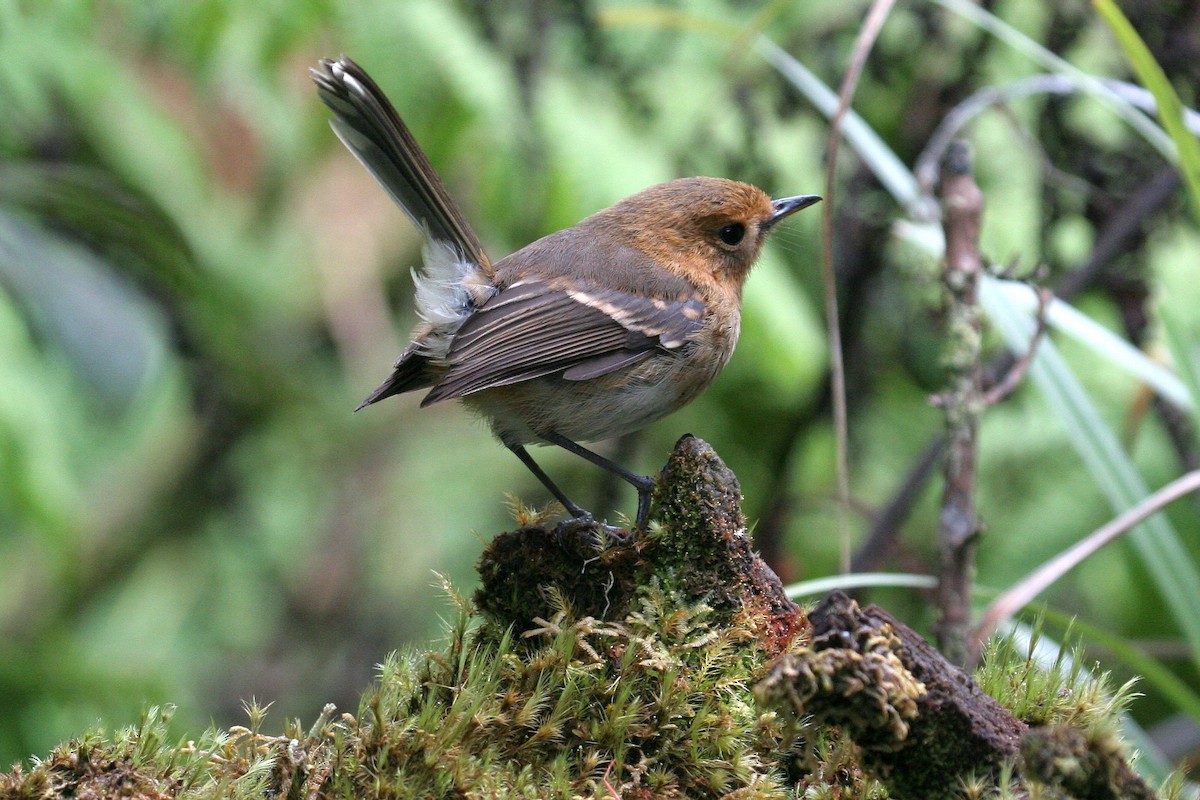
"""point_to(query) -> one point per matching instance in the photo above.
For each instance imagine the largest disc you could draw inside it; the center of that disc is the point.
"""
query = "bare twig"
(1036, 582)
(962, 205)
(860, 240)
(862, 47)
(1113, 238)
(1012, 378)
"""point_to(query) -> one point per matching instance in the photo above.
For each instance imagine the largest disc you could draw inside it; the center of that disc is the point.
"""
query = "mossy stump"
(664, 663)
(698, 548)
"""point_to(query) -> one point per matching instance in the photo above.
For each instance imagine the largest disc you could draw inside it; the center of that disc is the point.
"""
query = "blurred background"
(198, 284)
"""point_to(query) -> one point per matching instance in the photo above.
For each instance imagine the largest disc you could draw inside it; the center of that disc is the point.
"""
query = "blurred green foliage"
(197, 285)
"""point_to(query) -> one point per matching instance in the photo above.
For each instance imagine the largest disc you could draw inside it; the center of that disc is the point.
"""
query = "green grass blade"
(859, 580)
(1170, 107)
(1166, 683)
(883, 162)
(1185, 354)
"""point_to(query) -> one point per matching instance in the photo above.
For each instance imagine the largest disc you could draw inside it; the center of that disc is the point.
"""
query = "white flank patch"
(447, 292)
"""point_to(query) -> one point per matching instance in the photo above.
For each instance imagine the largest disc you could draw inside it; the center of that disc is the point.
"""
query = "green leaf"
(1170, 107)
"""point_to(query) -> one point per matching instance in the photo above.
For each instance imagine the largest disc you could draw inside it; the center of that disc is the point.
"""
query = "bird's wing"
(369, 126)
(543, 327)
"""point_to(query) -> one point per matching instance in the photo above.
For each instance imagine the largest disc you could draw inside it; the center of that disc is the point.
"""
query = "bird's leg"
(643, 483)
(526, 459)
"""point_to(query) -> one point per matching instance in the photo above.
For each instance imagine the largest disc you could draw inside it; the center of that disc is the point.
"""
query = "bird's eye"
(732, 234)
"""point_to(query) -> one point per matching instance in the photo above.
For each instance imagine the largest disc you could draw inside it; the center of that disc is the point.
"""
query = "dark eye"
(732, 234)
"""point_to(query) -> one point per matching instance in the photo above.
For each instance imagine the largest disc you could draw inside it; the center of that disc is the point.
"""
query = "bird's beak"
(785, 206)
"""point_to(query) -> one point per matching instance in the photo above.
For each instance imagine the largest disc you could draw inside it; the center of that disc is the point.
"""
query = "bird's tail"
(411, 371)
(369, 126)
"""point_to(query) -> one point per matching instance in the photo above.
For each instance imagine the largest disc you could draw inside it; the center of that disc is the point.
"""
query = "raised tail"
(369, 126)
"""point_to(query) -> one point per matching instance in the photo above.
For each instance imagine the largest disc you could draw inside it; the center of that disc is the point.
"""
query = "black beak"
(786, 206)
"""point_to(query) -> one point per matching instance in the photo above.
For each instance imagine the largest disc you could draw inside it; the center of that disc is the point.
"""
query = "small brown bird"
(583, 335)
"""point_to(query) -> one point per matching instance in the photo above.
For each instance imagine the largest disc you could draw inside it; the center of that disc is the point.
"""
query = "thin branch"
(885, 530)
(962, 215)
(862, 47)
(1025, 590)
(1115, 233)
(1012, 378)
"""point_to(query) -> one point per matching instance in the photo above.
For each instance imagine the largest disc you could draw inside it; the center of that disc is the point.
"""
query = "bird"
(583, 335)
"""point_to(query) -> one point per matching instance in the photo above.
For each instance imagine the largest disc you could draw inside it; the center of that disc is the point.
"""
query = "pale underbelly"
(596, 409)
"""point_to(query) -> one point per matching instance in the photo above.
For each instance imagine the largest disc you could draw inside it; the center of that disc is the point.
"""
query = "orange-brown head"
(704, 229)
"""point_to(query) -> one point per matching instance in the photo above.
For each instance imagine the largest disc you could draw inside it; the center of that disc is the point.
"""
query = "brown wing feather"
(535, 328)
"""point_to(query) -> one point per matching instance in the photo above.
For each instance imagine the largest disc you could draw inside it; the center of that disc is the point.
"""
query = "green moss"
(1065, 692)
(1074, 745)
(594, 665)
(659, 704)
